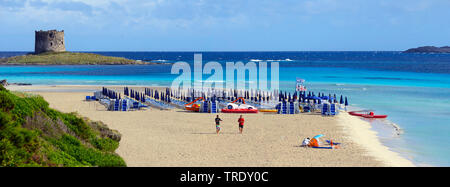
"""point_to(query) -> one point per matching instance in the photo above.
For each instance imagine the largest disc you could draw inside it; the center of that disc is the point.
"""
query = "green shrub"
(93, 157)
(105, 144)
(29, 147)
(77, 125)
(6, 103)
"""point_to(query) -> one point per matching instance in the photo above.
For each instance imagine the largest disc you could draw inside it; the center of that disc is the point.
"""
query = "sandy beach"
(178, 138)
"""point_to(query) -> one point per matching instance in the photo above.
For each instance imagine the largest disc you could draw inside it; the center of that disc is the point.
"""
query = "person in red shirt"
(241, 124)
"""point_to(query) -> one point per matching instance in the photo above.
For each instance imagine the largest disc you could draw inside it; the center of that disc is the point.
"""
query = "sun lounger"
(116, 105)
(124, 105)
(283, 107)
(325, 109)
(306, 109)
(291, 108)
(333, 109)
(214, 107)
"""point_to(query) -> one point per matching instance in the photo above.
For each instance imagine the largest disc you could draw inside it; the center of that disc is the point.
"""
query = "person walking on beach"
(218, 124)
(241, 123)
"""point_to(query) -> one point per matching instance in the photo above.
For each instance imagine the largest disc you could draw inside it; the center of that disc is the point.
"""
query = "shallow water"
(413, 89)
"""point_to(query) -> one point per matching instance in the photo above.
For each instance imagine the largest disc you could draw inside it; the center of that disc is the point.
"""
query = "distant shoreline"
(429, 49)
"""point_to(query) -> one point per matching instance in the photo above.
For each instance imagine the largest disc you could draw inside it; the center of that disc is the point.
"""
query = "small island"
(49, 49)
(67, 58)
(429, 49)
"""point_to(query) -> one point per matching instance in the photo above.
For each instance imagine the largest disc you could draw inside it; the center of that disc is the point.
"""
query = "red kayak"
(373, 116)
(239, 110)
(353, 113)
(367, 115)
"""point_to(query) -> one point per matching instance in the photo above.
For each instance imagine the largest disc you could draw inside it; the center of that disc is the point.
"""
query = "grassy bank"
(32, 134)
(66, 58)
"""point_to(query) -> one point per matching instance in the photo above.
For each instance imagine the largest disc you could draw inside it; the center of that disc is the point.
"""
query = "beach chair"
(325, 109)
(136, 105)
(278, 107)
(306, 109)
(291, 108)
(283, 108)
(124, 105)
(116, 105)
(214, 107)
(332, 109)
(206, 107)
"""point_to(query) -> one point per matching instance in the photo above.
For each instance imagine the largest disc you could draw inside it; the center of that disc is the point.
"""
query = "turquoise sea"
(413, 89)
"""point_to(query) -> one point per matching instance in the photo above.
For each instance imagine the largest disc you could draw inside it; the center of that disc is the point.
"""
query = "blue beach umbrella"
(341, 101)
(315, 97)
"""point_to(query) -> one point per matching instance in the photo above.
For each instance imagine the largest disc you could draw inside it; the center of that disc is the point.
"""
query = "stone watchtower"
(49, 41)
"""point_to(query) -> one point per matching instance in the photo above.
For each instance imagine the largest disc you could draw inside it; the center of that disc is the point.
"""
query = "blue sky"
(228, 25)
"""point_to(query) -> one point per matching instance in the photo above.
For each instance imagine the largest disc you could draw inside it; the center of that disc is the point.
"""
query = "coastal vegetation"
(67, 58)
(33, 134)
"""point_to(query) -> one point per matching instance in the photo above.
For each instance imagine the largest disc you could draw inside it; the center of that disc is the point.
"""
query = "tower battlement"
(49, 41)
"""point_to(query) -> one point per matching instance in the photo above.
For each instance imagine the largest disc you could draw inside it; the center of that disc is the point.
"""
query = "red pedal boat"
(233, 107)
(192, 106)
(239, 110)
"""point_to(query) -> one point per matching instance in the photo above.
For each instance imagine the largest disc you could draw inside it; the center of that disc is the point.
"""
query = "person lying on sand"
(305, 142)
(218, 124)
